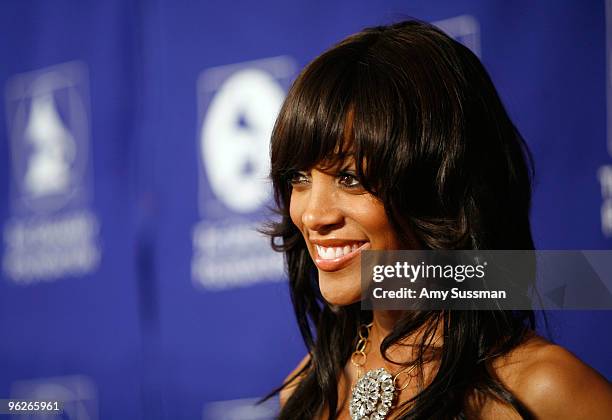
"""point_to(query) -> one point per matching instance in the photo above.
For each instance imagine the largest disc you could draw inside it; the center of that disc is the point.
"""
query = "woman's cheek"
(294, 212)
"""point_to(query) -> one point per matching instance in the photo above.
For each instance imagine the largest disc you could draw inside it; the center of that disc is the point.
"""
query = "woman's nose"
(322, 211)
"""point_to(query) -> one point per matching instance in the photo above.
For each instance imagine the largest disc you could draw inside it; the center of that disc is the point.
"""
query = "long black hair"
(432, 140)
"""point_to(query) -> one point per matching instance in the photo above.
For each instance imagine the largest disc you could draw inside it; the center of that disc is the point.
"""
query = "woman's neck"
(383, 322)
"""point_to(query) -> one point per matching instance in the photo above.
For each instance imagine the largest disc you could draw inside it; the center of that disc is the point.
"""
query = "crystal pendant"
(372, 396)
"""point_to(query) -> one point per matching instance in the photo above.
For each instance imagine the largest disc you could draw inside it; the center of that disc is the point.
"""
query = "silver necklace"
(374, 393)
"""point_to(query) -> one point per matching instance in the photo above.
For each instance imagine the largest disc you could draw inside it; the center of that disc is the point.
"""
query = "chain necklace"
(375, 392)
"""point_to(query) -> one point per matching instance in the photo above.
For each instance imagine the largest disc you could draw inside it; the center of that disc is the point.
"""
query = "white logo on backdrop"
(237, 107)
(236, 135)
(78, 394)
(605, 179)
(463, 28)
(48, 167)
(241, 409)
(51, 233)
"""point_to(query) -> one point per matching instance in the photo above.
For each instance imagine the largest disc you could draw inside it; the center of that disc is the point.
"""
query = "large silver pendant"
(372, 396)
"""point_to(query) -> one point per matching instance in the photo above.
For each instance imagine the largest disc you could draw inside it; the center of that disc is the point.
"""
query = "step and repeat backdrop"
(133, 159)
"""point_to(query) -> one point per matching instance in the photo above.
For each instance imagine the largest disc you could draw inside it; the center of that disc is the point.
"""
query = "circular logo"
(235, 138)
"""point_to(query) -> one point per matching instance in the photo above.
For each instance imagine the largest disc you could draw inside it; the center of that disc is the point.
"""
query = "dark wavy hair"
(431, 140)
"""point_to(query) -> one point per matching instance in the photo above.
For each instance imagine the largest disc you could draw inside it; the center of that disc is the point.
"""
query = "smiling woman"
(396, 139)
(322, 199)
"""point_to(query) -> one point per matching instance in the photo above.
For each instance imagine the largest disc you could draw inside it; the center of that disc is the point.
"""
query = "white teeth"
(330, 253)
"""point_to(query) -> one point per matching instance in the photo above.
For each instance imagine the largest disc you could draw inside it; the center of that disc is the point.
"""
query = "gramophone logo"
(51, 233)
(237, 108)
(48, 169)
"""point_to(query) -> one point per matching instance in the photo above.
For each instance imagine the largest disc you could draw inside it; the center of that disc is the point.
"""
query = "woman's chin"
(339, 291)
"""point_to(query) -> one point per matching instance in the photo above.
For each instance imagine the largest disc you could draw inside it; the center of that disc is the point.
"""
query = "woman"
(396, 139)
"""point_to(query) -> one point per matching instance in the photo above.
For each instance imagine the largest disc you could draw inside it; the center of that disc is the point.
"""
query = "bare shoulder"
(553, 383)
(292, 381)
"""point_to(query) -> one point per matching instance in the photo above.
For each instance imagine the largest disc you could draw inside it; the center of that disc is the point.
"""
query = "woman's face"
(338, 219)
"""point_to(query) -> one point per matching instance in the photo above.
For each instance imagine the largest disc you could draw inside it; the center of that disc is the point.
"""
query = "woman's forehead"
(336, 163)
(324, 153)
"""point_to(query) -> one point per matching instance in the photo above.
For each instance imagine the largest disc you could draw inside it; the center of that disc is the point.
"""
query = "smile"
(332, 258)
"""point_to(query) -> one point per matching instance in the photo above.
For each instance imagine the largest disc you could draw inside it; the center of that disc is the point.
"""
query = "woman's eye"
(298, 178)
(348, 180)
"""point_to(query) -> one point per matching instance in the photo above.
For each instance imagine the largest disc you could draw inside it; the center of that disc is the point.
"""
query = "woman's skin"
(333, 211)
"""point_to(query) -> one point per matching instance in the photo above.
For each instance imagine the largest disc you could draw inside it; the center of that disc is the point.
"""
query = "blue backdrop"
(133, 154)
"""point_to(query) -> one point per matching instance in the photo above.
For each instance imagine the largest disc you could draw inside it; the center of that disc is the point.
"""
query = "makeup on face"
(338, 219)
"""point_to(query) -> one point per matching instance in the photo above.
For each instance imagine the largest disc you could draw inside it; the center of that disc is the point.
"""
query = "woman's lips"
(324, 262)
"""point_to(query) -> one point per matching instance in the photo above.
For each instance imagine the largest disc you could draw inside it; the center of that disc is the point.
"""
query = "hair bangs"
(310, 129)
(343, 106)
(381, 130)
